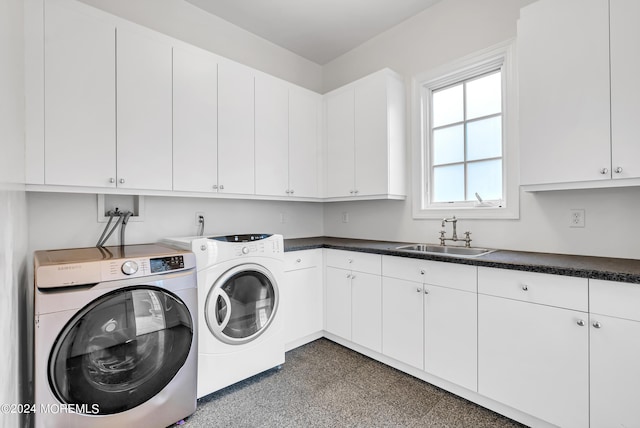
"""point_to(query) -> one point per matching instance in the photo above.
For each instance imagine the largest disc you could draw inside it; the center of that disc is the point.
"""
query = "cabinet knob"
(287, 191)
(350, 260)
(604, 171)
(122, 181)
(349, 276)
(298, 260)
(426, 291)
(355, 191)
(618, 170)
(580, 323)
(525, 287)
(222, 187)
(419, 290)
(597, 324)
(203, 247)
(291, 191)
(421, 271)
(112, 180)
(215, 187)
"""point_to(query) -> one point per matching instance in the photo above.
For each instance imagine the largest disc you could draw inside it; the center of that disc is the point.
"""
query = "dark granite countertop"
(606, 268)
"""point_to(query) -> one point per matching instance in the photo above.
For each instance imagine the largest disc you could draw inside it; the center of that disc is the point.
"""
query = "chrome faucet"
(454, 221)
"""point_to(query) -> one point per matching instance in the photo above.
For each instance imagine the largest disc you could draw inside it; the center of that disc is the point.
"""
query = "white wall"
(59, 220)
(13, 226)
(184, 21)
(449, 30)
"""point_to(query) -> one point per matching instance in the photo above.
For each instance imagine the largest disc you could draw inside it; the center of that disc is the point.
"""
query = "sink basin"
(445, 250)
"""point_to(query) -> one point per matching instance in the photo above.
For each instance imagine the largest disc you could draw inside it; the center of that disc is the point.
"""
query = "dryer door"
(241, 304)
(120, 350)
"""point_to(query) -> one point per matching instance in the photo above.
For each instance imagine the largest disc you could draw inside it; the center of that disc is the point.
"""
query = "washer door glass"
(241, 304)
(121, 350)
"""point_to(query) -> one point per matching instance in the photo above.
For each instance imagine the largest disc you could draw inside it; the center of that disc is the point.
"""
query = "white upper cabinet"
(79, 97)
(305, 108)
(236, 168)
(195, 120)
(340, 143)
(144, 111)
(366, 139)
(625, 88)
(576, 113)
(272, 136)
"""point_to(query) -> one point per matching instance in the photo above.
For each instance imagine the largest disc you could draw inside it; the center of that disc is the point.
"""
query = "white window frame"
(501, 56)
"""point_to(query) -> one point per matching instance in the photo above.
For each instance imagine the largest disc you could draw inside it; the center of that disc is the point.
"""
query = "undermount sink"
(446, 250)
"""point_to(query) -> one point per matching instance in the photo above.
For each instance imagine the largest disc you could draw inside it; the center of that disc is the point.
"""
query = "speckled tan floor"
(323, 384)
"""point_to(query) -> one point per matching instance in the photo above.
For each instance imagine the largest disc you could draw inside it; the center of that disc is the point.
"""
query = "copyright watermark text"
(89, 409)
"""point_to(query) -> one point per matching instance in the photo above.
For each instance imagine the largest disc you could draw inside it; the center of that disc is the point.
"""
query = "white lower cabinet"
(430, 317)
(614, 326)
(450, 335)
(353, 297)
(402, 326)
(302, 297)
(533, 356)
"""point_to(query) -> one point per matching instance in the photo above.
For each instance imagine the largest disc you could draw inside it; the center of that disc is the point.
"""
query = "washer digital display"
(164, 264)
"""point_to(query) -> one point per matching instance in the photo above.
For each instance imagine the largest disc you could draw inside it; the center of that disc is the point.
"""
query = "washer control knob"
(129, 267)
(245, 250)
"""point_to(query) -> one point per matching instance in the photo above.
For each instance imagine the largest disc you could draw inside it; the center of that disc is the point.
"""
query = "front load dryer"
(115, 336)
(241, 322)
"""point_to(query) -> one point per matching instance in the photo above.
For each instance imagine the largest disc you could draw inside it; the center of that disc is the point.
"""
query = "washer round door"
(241, 304)
(121, 350)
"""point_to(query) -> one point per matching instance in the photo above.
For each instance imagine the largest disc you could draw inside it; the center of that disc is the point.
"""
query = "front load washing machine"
(240, 322)
(115, 336)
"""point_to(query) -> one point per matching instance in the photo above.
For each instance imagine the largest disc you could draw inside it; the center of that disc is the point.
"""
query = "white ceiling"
(319, 30)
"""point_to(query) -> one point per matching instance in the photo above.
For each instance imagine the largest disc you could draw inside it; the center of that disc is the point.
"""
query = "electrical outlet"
(198, 215)
(576, 218)
(345, 217)
(283, 218)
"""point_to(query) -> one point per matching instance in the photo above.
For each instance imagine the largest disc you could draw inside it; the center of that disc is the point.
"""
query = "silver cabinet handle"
(349, 276)
(426, 291)
(291, 192)
(112, 180)
(618, 170)
(122, 181)
(525, 287)
(421, 271)
(298, 260)
(349, 260)
(597, 324)
(215, 187)
(221, 187)
(419, 290)
(356, 191)
(604, 171)
(580, 323)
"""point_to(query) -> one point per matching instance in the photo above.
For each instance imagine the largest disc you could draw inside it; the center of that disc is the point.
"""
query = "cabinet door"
(195, 120)
(338, 302)
(272, 137)
(302, 303)
(144, 111)
(625, 88)
(366, 310)
(304, 135)
(371, 136)
(80, 97)
(340, 143)
(451, 335)
(563, 56)
(534, 358)
(615, 372)
(402, 323)
(236, 167)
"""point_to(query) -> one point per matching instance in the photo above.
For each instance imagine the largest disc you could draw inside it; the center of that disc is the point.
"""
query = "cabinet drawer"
(305, 259)
(450, 275)
(616, 299)
(351, 260)
(554, 290)
(404, 268)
